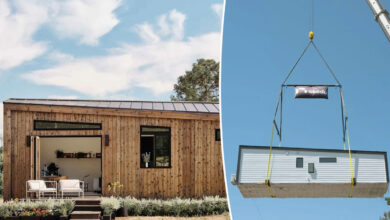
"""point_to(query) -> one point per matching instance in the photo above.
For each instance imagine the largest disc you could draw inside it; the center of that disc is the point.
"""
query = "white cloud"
(171, 27)
(154, 64)
(60, 57)
(83, 20)
(86, 20)
(62, 97)
(19, 23)
(218, 9)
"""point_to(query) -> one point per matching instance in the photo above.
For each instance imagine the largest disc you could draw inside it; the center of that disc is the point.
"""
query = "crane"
(381, 16)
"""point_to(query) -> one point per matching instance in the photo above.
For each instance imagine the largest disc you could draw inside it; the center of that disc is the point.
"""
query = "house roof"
(191, 107)
(312, 149)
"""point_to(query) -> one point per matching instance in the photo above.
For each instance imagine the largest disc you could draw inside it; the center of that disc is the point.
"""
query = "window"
(155, 147)
(59, 125)
(328, 160)
(299, 162)
(310, 168)
(218, 134)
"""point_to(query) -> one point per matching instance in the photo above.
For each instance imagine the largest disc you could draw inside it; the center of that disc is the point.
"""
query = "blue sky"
(108, 49)
(261, 42)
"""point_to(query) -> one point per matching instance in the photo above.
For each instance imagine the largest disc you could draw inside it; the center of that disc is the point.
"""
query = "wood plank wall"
(196, 158)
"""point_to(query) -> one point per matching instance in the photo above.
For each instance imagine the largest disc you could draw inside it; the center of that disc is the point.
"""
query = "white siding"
(368, 168)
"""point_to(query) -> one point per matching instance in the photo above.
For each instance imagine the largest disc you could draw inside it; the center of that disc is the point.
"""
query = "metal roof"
(193, 107)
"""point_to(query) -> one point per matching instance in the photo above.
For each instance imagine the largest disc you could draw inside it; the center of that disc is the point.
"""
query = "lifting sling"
(279, 107)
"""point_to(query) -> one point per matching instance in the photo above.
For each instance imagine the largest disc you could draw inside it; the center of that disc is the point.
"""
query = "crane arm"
(381, 16)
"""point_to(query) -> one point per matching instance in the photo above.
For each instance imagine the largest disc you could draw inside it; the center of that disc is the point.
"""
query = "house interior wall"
(86, 169)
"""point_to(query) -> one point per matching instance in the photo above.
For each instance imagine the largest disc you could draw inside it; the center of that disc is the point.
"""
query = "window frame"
(168, 133)
(66, 129)
(296, 162)
(217, 137)
(327, 158)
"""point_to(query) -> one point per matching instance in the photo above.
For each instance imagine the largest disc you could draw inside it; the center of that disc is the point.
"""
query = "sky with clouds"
(111, 49)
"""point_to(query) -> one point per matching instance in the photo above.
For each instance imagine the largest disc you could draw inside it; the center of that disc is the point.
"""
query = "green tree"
(386, 215)
(199, 84)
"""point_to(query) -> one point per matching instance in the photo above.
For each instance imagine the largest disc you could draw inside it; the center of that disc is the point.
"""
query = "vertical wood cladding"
(196, 158)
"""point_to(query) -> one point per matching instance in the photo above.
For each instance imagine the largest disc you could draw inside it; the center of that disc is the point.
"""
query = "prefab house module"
(303, 172)
(155, 149)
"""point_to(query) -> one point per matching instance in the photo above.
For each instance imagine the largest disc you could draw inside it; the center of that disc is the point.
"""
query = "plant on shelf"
(52, 169)
(60, 154)
(81, 155)
(146, 158)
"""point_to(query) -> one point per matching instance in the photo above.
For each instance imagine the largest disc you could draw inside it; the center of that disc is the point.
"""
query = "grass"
(224, 216)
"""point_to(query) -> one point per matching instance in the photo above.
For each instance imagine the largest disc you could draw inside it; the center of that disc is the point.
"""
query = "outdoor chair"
(40, 187)
(71, 186)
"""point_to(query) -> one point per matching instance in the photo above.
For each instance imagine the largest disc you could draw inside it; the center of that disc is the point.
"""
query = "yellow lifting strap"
(350, 165)
(267, 182)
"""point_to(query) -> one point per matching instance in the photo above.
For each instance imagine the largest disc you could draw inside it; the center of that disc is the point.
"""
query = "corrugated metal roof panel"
(168, 106)
(196, 107)
(158, 106)
(190, 107)
(211, 107)
(200, 107)
(136, 105)
(179, 107)
(147, 106)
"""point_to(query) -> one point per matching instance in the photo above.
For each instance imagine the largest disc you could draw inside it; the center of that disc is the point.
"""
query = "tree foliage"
(199, 84)
(386, 215)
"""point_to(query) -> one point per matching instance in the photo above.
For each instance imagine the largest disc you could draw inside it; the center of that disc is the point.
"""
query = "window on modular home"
(328, 160)
(218, 134)
(299, 162)
(60, 125)
(155, 147)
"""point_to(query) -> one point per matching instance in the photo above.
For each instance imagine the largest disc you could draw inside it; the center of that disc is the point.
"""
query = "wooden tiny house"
(108, 140)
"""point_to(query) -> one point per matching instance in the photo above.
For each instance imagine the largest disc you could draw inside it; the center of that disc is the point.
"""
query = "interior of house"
(72, 158)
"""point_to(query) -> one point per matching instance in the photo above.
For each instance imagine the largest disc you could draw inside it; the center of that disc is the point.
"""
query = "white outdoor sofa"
(40, 187)
(71, 186)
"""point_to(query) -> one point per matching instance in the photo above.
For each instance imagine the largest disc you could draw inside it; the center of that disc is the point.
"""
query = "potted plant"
(60, 154)
(109, 206)
(122, 211)
(63, 211)
(146, 158)
(52, 169)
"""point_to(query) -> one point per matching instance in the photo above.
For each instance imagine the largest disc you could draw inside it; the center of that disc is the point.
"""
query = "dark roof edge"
(97, 100)
(77, 106)
(311, 149)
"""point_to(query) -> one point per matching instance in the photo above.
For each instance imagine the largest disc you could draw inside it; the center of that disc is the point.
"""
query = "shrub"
(39, 208)
(175, 207)
(109, 205)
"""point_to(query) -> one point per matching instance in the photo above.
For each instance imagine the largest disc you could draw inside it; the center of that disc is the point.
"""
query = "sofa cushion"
(36, 185)
(69, 184)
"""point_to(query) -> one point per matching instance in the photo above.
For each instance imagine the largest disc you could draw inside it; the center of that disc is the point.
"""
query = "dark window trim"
(169, 133)
(328, 159)
(67, 122)
(217, 137)
(296, 162)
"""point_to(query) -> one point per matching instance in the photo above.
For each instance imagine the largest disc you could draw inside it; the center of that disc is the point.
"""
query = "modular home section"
(302, 172)
(155, 149)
